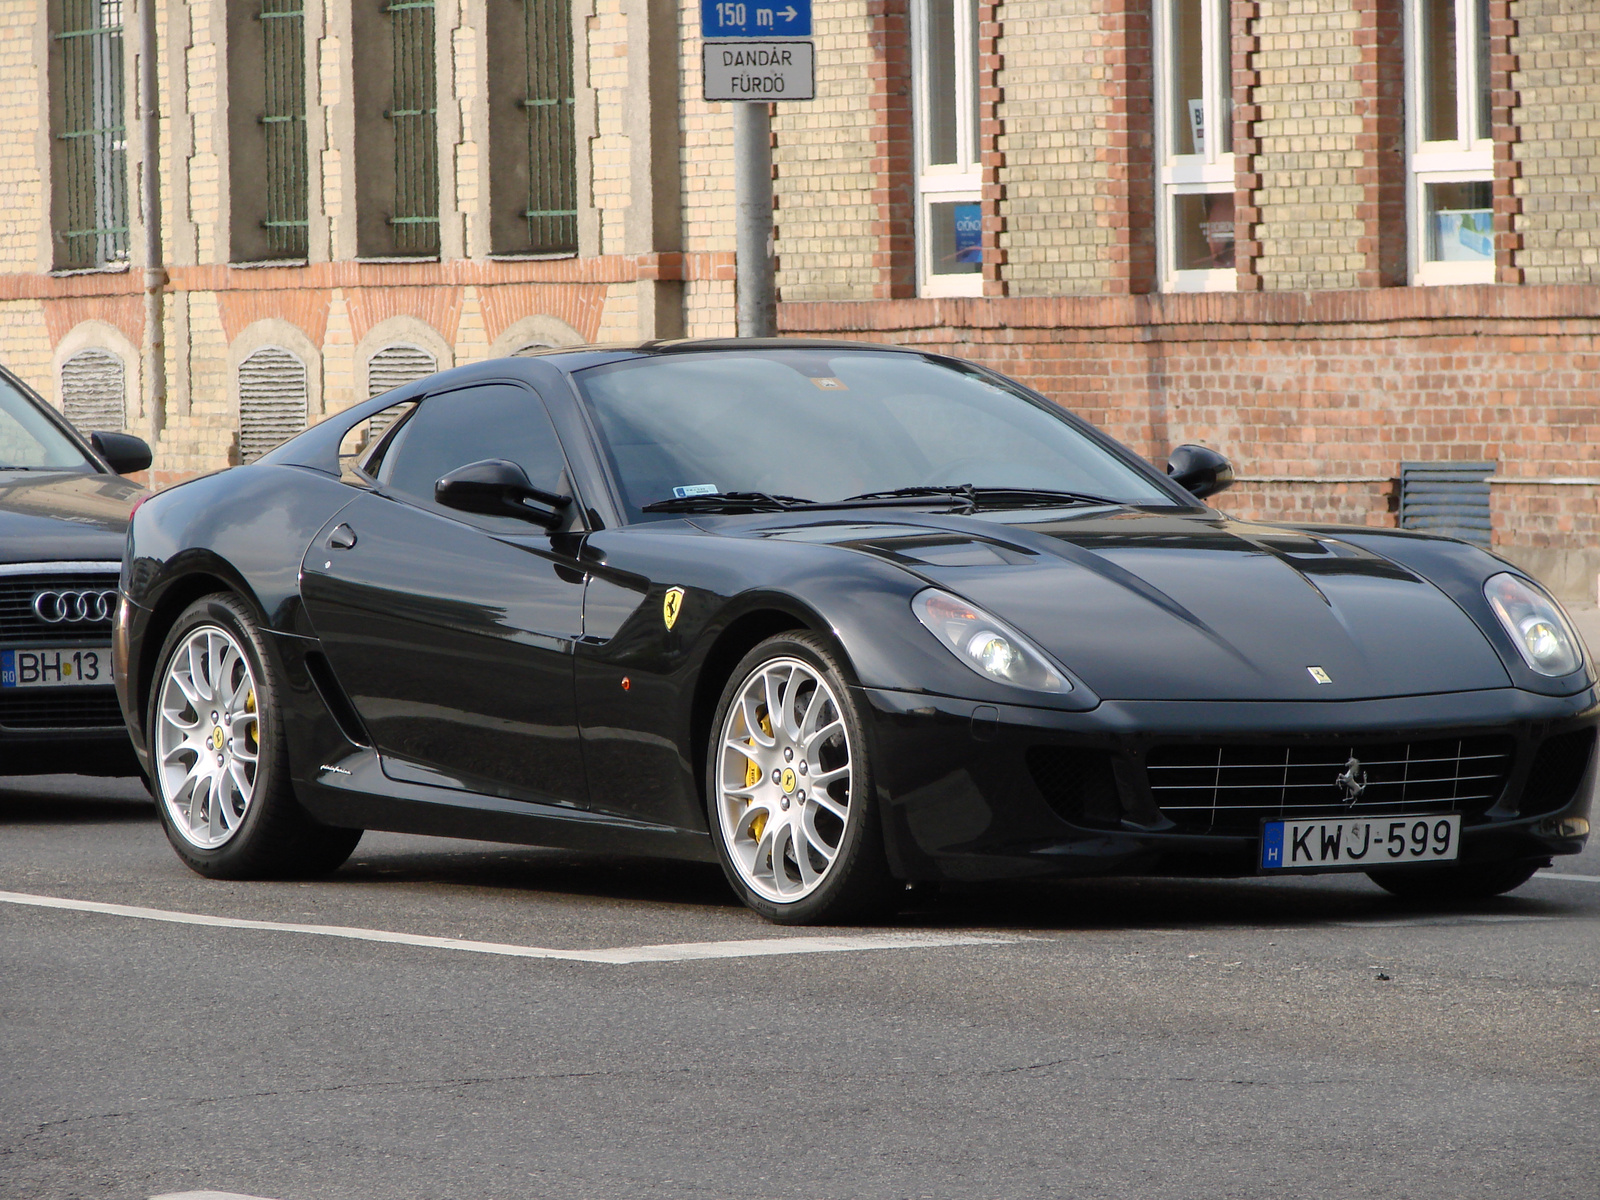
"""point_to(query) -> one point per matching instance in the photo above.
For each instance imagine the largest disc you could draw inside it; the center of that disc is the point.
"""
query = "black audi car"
(840, 617)
(63, 519)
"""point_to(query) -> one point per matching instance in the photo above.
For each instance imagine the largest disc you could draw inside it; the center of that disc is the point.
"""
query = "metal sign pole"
(752, 53)
(752, 175)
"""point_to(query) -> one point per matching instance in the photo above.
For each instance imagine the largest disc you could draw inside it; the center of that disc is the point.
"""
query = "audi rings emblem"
(58, 608)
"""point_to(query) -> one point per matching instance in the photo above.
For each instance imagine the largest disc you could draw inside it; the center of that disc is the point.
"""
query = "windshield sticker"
(829, 383)
(695, 489)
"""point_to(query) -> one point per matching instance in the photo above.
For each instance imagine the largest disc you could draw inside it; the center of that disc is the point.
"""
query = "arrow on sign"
(788, 14)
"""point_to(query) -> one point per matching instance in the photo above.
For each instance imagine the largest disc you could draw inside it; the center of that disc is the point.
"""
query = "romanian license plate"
(48, 666)
(1358, 843)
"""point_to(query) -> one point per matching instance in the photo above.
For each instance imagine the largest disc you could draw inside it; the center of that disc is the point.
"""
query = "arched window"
(272, 400)
(94, 391)
(397, 365)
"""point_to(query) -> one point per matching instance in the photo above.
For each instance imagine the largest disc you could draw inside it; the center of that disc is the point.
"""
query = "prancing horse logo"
(671, 605)
(1353, 781)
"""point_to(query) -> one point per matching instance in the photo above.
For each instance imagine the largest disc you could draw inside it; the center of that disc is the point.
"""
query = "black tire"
(1466, 881)
(857, 884)
(275, 838)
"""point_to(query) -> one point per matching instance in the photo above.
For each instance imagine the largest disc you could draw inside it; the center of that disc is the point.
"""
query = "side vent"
(343, 712)
(1447, 498)
(94, 391)
(1558, 770)
(272, 400)
(1078, 784)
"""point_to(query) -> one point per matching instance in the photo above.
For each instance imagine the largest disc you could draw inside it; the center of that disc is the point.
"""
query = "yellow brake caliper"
(752, 776)
(250, 707)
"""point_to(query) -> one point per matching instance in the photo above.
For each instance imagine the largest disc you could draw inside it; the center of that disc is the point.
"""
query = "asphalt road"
(1141, 1039)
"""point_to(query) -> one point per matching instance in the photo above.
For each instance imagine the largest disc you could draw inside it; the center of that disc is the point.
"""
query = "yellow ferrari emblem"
(1320, 675)
(788, 779)
(671, 605)
(216, 737)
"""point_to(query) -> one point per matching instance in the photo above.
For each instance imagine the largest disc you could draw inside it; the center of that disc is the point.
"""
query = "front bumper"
(960, 802)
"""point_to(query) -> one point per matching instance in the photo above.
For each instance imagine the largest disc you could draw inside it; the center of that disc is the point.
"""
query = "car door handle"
(342, 538)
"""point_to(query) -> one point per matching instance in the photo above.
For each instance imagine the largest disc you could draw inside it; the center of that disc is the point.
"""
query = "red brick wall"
(1317, 397)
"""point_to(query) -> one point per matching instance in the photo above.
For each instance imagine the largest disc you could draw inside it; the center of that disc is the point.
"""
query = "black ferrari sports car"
(841, 617)
(63, 521)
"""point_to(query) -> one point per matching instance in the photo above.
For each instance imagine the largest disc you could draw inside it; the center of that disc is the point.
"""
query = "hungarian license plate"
(1358, 843)
(50, 666)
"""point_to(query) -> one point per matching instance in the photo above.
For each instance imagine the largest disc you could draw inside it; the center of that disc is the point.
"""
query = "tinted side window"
(451, 430)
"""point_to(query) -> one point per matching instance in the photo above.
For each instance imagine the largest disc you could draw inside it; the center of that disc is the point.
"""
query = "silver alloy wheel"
(784, 779)
(207, 737)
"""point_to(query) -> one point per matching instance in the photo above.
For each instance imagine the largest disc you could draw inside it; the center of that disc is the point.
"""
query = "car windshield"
(30, 441)
(827, 425)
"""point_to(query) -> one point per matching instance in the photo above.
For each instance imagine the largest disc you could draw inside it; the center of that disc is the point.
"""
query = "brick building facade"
(1326, 236)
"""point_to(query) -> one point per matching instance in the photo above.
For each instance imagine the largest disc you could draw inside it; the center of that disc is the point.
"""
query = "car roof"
(578, 357)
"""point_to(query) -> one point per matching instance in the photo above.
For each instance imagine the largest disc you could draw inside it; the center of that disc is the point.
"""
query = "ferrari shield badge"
(671, 605)
(1317, 673)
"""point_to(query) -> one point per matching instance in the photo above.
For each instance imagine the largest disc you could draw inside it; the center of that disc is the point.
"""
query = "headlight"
(1535, 623)
(990, 647)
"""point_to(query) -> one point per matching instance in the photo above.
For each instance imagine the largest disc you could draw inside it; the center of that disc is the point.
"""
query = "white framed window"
(949, 178)
(1450, 188)
(1194, 146)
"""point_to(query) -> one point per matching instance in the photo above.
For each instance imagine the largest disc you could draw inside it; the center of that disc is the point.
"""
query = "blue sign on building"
(758, 19)
(969, 232)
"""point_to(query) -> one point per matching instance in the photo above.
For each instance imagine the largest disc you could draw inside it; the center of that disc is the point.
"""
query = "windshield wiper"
(953, 491)
(1037, 496)
(726, 502)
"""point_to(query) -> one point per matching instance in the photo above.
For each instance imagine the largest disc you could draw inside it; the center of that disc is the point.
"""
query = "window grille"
(415, 116)
(94, 391)
(284, 118)
(93, 173)
(272, 400)
(552, 212)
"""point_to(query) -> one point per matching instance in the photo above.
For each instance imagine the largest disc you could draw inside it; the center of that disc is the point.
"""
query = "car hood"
(63, 516)
(1162, 606)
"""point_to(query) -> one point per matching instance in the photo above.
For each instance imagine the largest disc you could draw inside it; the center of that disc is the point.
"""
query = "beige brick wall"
(1309, 98)
(607, 52)
(1558, 51)
(823, 157)
(1053, 115)
(22, 190)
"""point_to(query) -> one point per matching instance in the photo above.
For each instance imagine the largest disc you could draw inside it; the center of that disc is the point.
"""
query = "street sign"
(761, 19)
(751, 70)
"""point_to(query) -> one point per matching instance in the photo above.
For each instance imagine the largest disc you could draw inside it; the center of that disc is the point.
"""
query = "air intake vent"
(94, 391)
(272, 400)
(1559, 768)
(397, 365)
(1078, 784)
(1447, 498)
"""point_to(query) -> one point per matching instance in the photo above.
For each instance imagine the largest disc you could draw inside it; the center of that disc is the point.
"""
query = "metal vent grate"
(1447, 498)
(94, 391)
(397, 365)
(272, 400)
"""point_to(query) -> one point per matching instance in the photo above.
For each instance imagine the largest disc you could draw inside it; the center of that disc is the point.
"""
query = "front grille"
(1557, 771)
(1232, 788)
(63, 708)
(19, 621)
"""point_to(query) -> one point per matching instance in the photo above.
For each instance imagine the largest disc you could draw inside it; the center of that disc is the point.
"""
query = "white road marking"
(1573, 878)
(621, 955)
(205, 1196)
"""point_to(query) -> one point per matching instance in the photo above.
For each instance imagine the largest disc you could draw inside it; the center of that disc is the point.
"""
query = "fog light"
(1574, 827)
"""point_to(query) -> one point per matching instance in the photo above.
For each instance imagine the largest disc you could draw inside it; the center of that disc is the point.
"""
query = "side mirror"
(122, 451)
(1200, 470)
(498, 487)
